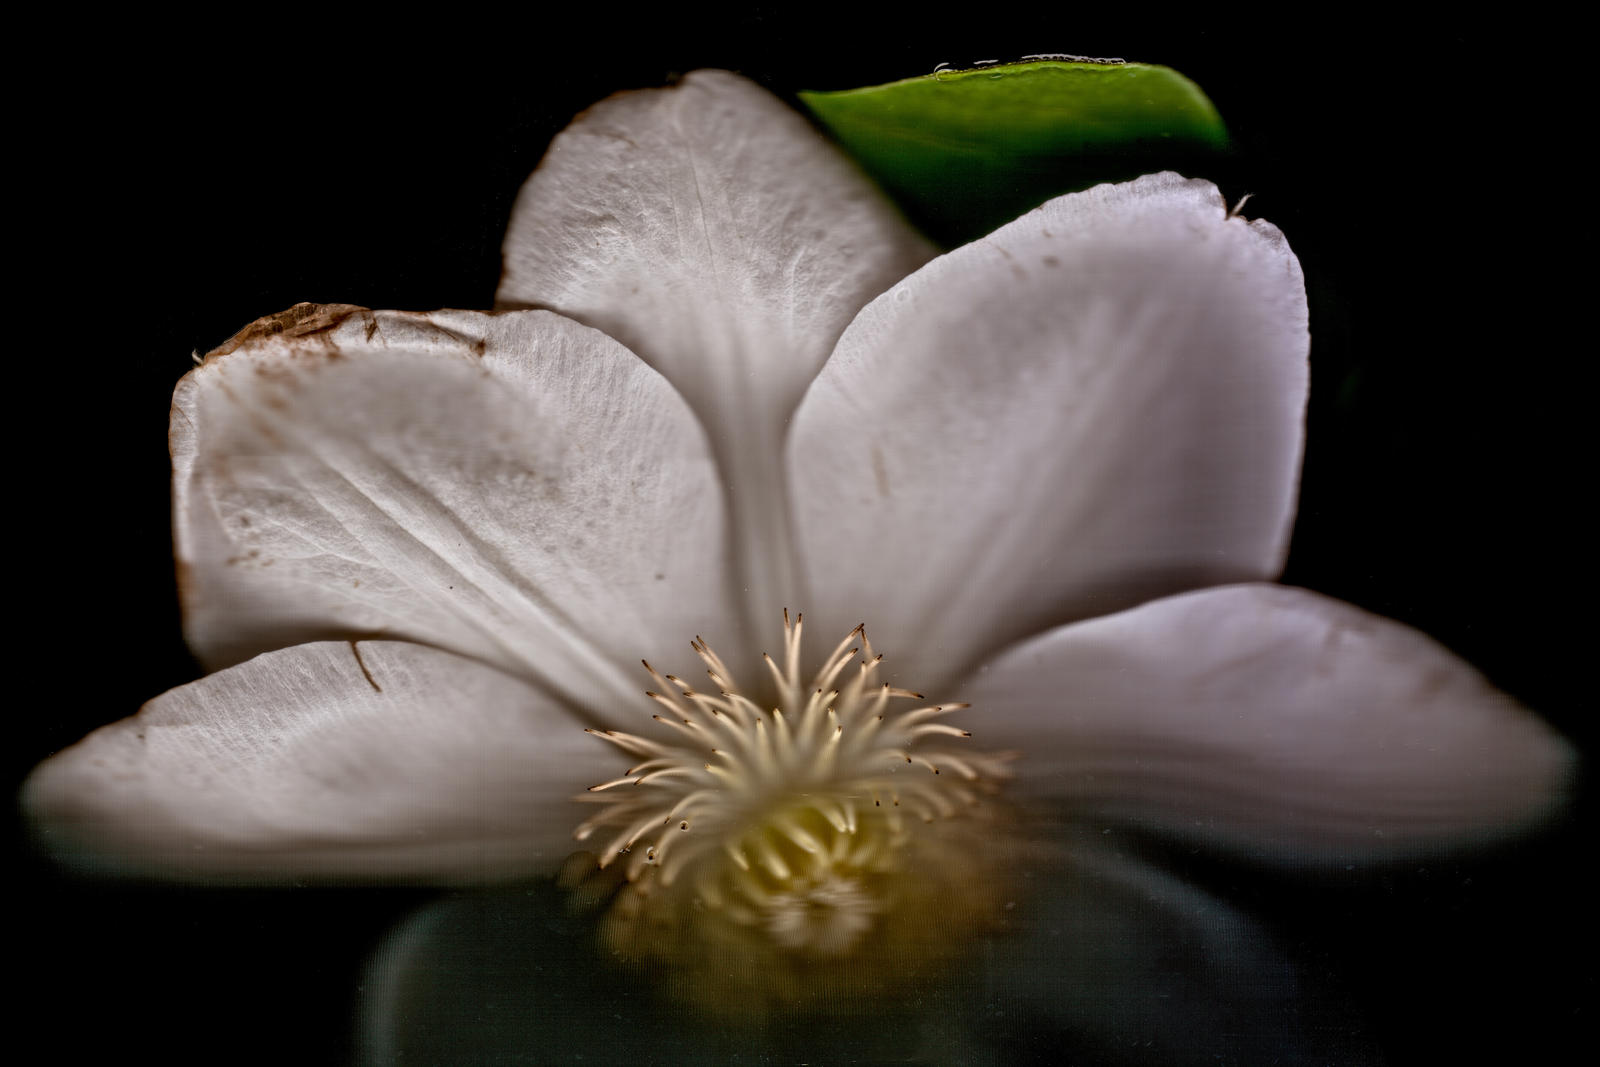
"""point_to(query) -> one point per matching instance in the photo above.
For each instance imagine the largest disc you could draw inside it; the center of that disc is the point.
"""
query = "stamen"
(628, 742)
(669, 772)
(779, 809)
(682, 725)
(715, 668)
(772, 861)
(612, 784)
(937, 728)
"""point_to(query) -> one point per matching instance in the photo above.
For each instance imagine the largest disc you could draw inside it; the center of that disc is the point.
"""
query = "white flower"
(1048, 470)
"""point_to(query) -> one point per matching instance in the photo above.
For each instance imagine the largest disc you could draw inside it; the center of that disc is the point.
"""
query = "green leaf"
(966, 151)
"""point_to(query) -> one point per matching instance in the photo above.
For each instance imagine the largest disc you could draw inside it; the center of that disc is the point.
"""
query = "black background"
(181, 189)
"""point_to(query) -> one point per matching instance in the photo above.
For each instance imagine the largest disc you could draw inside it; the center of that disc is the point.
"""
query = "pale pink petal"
(513, 487)
(710, 229)
(1272, 720)
(1098, 404)
(336, 760)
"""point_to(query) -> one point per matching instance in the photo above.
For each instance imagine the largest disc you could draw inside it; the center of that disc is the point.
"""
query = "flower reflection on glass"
(1047, 472)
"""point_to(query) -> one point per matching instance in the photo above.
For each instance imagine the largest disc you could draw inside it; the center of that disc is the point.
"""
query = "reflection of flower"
(1093, 414)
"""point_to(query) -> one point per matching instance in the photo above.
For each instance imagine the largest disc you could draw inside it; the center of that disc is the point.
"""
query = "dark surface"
(181, 193)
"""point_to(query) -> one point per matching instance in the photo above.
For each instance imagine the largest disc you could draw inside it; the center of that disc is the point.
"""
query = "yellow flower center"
(769, 837)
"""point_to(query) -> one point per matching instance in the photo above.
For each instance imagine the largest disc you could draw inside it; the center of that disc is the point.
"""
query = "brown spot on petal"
(1433, 684)
(1011, 261)
(184, 573)
(301, 321)
(365, 673)
(880, 472)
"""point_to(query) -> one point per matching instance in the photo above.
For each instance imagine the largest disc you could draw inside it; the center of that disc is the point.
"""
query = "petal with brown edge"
(514, 487)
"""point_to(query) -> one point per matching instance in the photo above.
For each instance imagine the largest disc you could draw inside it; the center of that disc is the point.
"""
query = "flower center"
(775, 833)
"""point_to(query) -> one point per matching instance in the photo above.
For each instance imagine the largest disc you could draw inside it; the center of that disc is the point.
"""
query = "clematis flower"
(1052, 473)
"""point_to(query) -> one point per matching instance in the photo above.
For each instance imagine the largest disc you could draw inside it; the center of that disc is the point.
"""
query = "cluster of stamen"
(792, 819)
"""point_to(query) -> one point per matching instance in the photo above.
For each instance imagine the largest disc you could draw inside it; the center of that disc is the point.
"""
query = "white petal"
(365, 760)
(1267, 718)
(1098, 404)
(514, 487)
(709, 228)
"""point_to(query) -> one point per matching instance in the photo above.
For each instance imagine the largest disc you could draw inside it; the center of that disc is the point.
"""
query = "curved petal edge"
(713, 231)
(335, 761)
(1275, 721)
(1096, 405)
